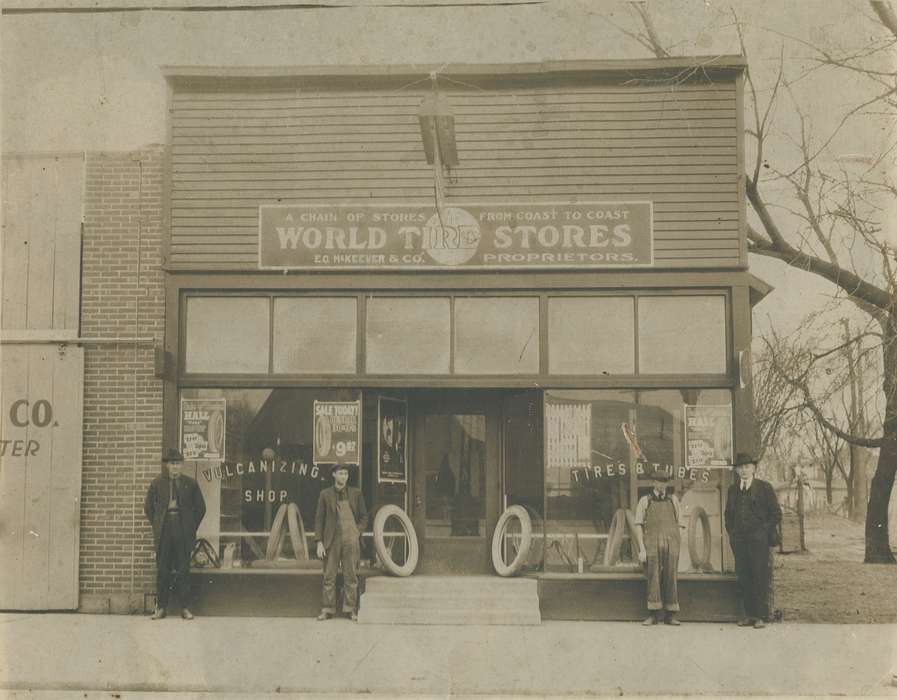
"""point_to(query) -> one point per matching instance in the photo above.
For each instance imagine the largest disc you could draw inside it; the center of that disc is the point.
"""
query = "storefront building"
(488, 286)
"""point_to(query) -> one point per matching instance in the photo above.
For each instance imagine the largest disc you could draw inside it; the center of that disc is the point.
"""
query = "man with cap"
(174, 507)
(752, 517)
(657, 534)
(340, 519)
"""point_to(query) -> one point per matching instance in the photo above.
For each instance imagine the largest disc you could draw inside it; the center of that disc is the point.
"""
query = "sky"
(92, 81)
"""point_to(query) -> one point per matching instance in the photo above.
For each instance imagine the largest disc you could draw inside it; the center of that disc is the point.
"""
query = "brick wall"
(122, 297)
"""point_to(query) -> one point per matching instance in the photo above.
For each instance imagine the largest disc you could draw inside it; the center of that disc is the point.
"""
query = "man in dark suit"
(174, 507)
(339, 521)
(752, 518)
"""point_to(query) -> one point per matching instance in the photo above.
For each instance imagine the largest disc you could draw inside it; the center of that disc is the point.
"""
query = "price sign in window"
(337, 432)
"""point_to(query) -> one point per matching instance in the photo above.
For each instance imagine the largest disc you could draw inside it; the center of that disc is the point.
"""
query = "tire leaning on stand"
(297, 531)
(383, 514)
(699, 560)
(526, 539)
(615, 537)
(276, 535)
(623, 520)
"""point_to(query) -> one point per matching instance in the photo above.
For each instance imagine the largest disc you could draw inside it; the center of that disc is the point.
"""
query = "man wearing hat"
(174, 507)
(657, 533)
(752, 517)
(340, 519)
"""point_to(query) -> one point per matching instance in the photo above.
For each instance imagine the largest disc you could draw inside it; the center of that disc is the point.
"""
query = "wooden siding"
(41, 250)
(675, 145)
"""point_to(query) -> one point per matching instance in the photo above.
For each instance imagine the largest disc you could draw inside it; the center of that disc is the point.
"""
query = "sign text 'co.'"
(25, 413)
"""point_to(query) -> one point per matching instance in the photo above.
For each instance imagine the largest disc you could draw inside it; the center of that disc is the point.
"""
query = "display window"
(600, 448)
(262, 495)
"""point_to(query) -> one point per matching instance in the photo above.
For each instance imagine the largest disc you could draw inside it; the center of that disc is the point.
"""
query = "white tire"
(383, 550)
(526, 538)
(699, 559)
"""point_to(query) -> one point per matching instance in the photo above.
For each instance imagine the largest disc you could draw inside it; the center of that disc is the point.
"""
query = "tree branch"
(640, 6)
(776, 246)
(885, 15)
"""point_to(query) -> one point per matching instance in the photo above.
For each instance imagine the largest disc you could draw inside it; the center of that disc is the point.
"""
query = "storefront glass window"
(408, 336)
(227, 335)
(682, 335)
(497, 335)
(261, 499)
(314, 334)
(601, 447)
(591, 335)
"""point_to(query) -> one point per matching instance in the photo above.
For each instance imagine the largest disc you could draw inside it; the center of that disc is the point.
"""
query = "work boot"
(746, 622)
(672, 619)
(353, 616)
(650, 620)
(186, 614)
(325, 616)
(158, 613)
(759, 624)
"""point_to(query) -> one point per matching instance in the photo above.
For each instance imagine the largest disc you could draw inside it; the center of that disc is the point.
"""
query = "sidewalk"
(50, 652)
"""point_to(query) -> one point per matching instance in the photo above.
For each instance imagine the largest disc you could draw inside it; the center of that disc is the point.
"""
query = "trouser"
(172, 563)
(752, 569)
(660, 571)
(345, 554)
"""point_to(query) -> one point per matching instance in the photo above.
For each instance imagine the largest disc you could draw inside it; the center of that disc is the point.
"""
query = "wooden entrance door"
(455, 497)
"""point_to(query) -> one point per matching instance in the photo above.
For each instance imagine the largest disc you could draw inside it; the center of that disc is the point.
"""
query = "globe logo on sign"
(454, 239)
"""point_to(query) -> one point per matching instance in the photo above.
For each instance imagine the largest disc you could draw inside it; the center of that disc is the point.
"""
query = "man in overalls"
(658, 537)
(339, 521)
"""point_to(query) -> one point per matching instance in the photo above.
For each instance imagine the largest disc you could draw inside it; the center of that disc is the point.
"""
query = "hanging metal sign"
(457, 236)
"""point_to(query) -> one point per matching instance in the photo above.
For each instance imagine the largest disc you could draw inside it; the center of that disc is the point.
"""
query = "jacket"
(327, 514)
(764, 505)
(191, 505)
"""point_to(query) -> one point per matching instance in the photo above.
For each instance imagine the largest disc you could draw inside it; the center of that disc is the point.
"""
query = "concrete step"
(417, 616)
(459, 585)
(450, 600)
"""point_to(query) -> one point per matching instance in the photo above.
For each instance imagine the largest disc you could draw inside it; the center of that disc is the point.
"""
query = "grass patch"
(830, 583)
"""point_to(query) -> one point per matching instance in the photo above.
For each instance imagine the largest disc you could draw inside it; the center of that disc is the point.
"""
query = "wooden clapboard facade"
(42, 382)
(656, 130)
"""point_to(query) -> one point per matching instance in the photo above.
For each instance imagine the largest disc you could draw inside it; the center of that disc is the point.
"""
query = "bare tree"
(831, 223)
(776, 403)
(827, 451)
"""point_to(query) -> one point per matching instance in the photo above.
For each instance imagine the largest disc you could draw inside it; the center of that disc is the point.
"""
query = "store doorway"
(456, 479)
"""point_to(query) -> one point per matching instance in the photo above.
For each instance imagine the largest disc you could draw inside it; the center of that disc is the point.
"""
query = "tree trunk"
(878, 549)
(859, 460)
(828, 486)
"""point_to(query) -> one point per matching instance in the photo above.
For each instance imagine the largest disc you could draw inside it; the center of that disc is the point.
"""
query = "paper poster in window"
(392, 431)
(203, 424)
(708, 436)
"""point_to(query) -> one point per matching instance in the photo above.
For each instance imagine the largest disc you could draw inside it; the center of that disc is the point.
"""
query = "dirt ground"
(830, 583)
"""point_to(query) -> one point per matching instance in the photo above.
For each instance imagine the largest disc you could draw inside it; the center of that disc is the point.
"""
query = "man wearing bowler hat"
(657, 534)
(340, 519)
(752, 518)
(174, 507)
